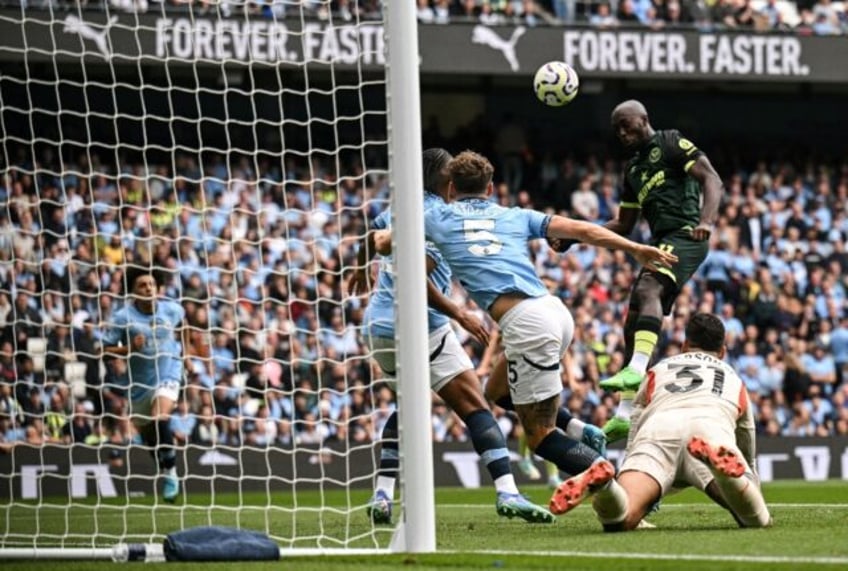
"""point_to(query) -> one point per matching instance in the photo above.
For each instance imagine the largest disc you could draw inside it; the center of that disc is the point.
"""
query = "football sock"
(573, 427)
(744, 497)
(389, 457)
(570, 456)
(643, 348)
(387, 484)
(611, 503)
(490, 444)
(644, 341)
(625, 405)
(165, 445)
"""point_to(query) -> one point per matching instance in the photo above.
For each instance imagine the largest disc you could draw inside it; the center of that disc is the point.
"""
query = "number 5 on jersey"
(480, 231)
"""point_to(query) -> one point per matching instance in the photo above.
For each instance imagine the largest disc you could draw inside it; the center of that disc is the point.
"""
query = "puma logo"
(488, 37)
(74, 25)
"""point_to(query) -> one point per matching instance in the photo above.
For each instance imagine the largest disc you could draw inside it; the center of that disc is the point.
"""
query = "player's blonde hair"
(470, 172)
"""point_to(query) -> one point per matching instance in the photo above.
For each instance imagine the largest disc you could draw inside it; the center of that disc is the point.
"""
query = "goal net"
(239, 149)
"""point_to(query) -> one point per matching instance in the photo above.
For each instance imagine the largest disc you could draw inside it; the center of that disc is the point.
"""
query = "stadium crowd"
(807, 17)
(277, 355)
(821, 17)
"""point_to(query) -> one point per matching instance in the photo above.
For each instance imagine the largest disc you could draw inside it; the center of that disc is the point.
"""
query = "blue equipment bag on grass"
(216, 543)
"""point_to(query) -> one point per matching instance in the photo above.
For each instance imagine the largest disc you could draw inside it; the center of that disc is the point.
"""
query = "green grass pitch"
(810, 532)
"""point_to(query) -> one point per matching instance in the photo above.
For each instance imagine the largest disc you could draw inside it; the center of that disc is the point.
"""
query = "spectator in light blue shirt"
(821, 368)
(733, 328)
(743, 263)
(222, 356)
(771, 376)
(182, 423)
(750, 358)
(839, 348)
(750, 375)
(820, 409)
(776, 261)
(642, 9)
(716, 270)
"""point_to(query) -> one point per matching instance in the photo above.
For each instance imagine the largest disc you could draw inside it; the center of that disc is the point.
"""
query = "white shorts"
(447, 357)
(659, 448)
(536, 334)
(140, 407)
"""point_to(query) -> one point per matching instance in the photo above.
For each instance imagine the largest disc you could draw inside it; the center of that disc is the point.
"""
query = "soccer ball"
(556, 83)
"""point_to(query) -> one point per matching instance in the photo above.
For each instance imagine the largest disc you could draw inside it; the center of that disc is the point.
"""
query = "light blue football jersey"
(380, 313)
(160, 360)
(485, 246)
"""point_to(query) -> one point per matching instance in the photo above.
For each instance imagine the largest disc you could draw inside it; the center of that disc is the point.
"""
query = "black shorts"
(690, 255)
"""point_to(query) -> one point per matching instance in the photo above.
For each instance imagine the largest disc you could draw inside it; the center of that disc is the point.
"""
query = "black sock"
(389, 457)
(489, 442)
(569, 455)
(165, 445)
(563, 418)
(648, 323)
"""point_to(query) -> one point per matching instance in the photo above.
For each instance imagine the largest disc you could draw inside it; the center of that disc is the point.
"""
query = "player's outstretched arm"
(567, 228)
(713, 189)
(622, 225)
(746, 439)
(442, 303)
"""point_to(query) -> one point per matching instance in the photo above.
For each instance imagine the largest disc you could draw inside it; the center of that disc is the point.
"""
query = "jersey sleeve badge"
(655, 154)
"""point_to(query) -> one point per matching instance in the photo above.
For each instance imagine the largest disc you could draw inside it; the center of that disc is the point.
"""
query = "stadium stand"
(776, 275)
(821, 17)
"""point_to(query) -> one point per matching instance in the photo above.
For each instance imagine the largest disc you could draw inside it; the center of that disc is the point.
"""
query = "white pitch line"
(59, 512)
(663, 556)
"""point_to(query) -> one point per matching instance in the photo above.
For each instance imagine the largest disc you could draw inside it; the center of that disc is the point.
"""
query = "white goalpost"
(238, 150)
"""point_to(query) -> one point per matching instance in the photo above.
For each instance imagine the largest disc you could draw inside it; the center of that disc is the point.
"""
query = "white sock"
(639, 361)
(506, 483)
(744, 497)
(611, 503)
(387, 485)
(574, 429)
(625, 408)
(172, 472)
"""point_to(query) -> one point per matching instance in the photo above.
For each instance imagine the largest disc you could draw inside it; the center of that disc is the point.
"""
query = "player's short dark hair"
(470, 172)
(133, 272)
(705, 331)
(435, 160)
